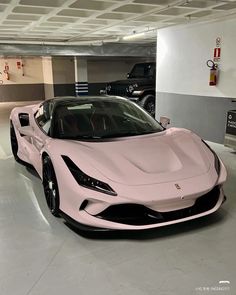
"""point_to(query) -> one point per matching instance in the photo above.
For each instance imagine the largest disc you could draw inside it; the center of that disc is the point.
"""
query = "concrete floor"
(41, 255)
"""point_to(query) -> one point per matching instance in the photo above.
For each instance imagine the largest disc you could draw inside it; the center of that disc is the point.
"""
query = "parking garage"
(174, 59)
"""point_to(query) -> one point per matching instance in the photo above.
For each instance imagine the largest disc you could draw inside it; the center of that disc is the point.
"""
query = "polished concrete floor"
(41, 255)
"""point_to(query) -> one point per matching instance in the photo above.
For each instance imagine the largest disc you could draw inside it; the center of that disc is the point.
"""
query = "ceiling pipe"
(45, 43)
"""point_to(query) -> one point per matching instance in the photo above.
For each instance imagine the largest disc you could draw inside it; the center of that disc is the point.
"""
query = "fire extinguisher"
(214, 72)
(6, 71)
(7, 77)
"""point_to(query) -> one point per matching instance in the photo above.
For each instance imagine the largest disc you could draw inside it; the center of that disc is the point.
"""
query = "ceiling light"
(133, 36)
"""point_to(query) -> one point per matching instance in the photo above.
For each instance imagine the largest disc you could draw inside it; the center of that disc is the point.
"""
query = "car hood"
(130, 81)
(171, 155)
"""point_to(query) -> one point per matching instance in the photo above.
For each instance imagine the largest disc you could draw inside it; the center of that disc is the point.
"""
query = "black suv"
(139, 86)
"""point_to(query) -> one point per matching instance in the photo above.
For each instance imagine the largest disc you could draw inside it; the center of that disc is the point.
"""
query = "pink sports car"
(106, 164)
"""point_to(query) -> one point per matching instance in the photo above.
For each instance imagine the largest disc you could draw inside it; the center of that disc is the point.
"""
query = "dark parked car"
(139, 86)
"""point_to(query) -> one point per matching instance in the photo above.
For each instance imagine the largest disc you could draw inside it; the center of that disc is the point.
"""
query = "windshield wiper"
(112, 135)
(131, 133)
(120, 134)
(80, 137)
(149, 132)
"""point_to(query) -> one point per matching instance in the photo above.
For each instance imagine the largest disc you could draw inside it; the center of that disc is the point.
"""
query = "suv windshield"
(101, 118)
(144, 70)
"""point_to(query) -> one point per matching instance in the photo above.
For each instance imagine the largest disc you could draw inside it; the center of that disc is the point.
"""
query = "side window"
(43, 116)
(152, 70)
(24, 119)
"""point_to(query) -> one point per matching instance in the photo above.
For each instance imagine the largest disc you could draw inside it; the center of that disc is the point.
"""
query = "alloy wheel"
(150, 108)
(50, 186)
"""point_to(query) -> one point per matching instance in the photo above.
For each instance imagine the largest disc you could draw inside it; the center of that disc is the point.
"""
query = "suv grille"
(119, 90)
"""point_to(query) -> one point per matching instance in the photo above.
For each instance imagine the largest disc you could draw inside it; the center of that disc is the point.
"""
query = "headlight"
(217, 161)
(131, 88)
(87, 181)
(108, 88)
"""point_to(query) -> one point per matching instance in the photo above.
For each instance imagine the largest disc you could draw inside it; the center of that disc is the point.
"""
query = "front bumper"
(138, 217)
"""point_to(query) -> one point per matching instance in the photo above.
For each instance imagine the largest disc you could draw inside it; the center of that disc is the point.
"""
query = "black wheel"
(14, 143)
(148, 103)
(50, 186)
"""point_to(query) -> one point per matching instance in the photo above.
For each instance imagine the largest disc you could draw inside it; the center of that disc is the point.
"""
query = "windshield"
(98, 119)
(145, 70)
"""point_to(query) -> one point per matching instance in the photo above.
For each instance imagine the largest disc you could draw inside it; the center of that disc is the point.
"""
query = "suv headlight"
(108, 88)
(131, 88)
(87, 181)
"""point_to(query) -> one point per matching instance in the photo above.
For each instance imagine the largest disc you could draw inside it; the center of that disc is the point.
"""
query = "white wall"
(182, 53)
(32, 69)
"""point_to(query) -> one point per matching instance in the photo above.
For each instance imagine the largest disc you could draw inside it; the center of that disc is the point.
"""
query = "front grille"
(135, 214)
(118, 90)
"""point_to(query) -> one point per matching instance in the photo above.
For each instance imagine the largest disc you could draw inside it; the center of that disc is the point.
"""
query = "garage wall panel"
(108, 70)
(32, 70)
(183, 91)
(22, 92)
(197, 113)
(63, 76)
(25, 82)
(182, 53)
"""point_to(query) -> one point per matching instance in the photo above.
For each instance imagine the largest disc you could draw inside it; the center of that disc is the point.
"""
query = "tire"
(149, 104)
(14, 142)
(50, 186)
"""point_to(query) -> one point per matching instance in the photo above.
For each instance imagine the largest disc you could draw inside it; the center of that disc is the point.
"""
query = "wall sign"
(217, 53)
(218, 42)
(217, 50)
(231, 123)
(18, 64)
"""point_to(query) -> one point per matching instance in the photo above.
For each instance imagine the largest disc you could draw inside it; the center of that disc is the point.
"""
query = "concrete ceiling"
(100, 20)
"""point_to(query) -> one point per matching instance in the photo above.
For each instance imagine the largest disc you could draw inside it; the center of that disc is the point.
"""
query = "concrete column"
(48, 77)
(63, 76)
(81, 76)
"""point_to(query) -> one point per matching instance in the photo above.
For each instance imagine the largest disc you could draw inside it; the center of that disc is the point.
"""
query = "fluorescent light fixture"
(133, 36)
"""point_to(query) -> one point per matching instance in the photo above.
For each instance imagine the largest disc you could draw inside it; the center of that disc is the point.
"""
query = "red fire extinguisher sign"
(217, 53)
(18, 64)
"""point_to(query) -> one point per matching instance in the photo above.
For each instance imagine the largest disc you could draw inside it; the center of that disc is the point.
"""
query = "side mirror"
(164, 121)
(26, 130)
(128, 75)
